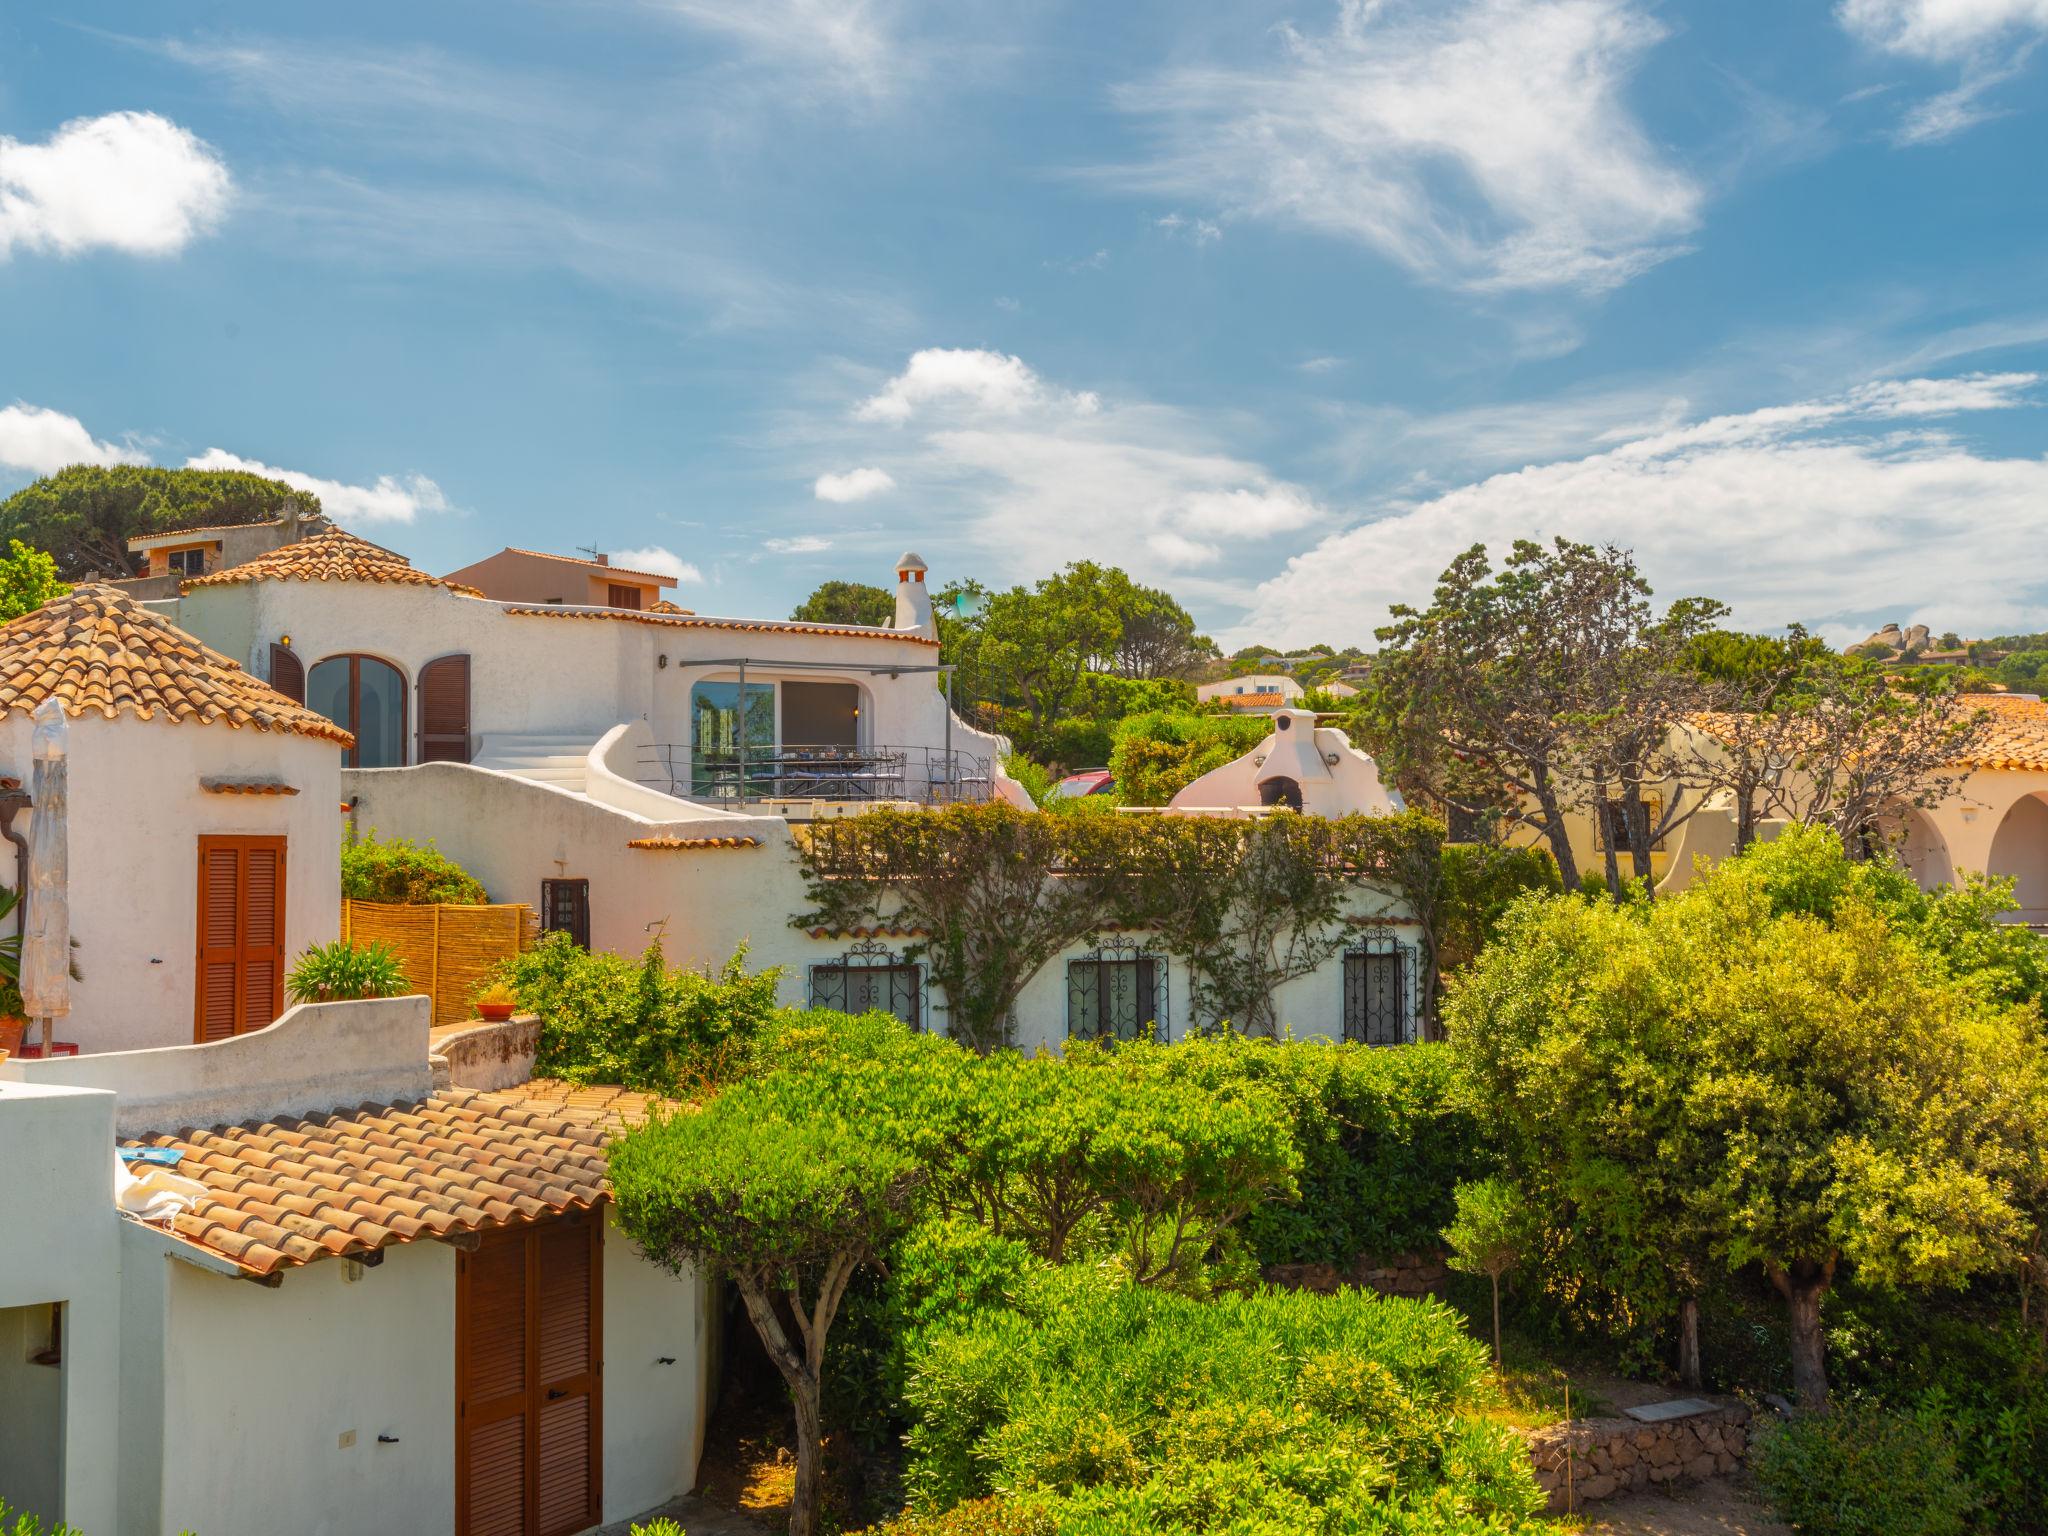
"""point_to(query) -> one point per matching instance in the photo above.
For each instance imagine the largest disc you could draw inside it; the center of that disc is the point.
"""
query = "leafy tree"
(1549, 682)
(1489, 1236)
(785, 1187)
(28, 579)
(2024, 670)
(847, 602)
(1751, 735)
(1762, 1087)
(85, 515)
(998, 893)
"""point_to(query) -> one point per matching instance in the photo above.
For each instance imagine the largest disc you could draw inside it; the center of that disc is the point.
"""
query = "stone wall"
(1614, 1456)
(1400, 1274)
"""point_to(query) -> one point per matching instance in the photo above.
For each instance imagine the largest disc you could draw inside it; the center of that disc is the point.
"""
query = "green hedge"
(1116, 1408)
(1385, 1138)
(1156, 755)
(1862, 1470)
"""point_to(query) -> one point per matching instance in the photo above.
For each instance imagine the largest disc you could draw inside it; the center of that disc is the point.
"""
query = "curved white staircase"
(546, 757)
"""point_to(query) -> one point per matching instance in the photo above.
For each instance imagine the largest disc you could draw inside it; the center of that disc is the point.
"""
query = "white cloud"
(1485, 145)
(941, 376)
(1320, 364)
(42, 441)
(1941, 31)
(1823, 511)
(856, 46)
(802, 544)
(1989, 40)
(391, 499)
(854, 485)
(130, 181)
(1201, 231)
(658, 561)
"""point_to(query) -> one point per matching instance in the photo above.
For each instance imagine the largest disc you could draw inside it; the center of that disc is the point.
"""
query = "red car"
(1090, 781)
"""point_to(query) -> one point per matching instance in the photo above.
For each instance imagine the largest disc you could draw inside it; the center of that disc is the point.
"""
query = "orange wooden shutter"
(444, 710)
(241, 958)
(288, 673)
(220, 932)
(567, 1323)
(494, 1419)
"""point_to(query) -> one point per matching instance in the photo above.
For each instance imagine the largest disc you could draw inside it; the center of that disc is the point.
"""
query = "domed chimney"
(913, 599)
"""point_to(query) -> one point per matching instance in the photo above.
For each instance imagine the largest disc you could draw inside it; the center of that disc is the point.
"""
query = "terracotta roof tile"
(884, 931)
(247, 787)
(663, 605)
(2015, 737)
(696, 621)
(666, 843)
(100, 652)
(288, 1192)
(330, 555)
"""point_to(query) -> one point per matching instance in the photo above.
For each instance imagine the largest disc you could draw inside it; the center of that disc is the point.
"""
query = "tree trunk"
(1689, 1342)
(1802, 1286)
(806, 1498)
(1745, 818)
(1559, 836)
(1496, 1325)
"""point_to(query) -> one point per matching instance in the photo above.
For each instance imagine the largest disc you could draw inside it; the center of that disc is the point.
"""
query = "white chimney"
(913, 600)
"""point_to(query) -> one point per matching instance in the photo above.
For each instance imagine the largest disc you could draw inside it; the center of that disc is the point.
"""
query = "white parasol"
(46, 944)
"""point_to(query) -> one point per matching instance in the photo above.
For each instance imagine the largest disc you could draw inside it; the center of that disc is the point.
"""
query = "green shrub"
(1862, 1470)
(1385, 1137)
(1125, 1408)
(1154, 756)
(342, 972)
(607, 1019)
(400, 870)
(663, 1527)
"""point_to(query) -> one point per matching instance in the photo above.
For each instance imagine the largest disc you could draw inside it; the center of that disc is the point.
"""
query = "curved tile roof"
(331, 555)
(98, 651)
(2015, 737)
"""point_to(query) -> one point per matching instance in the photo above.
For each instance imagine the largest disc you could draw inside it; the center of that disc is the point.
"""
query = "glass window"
(820, 715)
(892, 987)
(1112, 999)
(715, 738)
(366, 697)
(1376, 997)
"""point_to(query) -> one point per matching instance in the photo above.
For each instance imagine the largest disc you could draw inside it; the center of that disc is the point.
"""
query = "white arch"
(2019, 849)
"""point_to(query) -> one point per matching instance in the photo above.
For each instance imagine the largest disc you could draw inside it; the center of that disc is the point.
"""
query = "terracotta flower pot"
(11, 1032)
(497, 1013)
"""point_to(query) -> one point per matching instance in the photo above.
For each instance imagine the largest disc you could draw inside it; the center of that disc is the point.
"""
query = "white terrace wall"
(136, 814)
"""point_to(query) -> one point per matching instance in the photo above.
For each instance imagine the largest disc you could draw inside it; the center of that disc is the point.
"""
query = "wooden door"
(444, 710)
(565, 904)
(240, 923)
(529, 1314)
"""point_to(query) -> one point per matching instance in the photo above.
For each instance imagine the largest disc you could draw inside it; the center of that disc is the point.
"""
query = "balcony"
(795, 775)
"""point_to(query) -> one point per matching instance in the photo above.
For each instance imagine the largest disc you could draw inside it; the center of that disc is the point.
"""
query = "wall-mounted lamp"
(284, 640)
(661, 660)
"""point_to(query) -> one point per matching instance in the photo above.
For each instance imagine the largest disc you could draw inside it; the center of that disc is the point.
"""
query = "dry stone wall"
(1613, 1456)
(1400, 1274)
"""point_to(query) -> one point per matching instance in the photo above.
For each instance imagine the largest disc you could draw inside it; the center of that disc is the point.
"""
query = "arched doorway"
(366, 697)
(1918, 844)
(2019, 851)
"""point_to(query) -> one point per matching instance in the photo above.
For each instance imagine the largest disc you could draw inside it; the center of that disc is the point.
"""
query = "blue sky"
(1276, 305)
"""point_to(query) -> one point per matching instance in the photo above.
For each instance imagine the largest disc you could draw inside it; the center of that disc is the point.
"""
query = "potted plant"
(496, 1002)
(342, 972)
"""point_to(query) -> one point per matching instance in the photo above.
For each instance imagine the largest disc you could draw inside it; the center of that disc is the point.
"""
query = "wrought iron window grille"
(871, 977)
(1119, 991)
(1381, 975)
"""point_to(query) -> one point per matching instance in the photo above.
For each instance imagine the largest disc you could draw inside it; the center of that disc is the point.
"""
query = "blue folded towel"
(161, 1157)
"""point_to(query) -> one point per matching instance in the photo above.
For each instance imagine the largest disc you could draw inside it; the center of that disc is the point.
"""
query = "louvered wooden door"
(288, 673)
(240, 924)
(529, 1318)
(444, 710)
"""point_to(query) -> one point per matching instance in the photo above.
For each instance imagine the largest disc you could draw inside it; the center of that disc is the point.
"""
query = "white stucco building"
(204, 823)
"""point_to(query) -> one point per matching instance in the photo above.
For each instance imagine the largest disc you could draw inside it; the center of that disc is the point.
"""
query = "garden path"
(694, 1516)
(1717, 1507)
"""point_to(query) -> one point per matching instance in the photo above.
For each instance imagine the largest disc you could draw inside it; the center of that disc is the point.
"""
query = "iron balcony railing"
(727, 776)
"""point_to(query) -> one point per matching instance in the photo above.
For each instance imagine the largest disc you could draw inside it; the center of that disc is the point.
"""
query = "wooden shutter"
(529, 1410)
(494, 1419)
(240, 923)
(288, 673)
(568, 1318)
(444, 710)
(622, 596)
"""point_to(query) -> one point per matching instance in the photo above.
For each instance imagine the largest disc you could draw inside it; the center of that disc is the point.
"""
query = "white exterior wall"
(136, 814)
(654, 1415)
(60, 1242)
(260, 1384)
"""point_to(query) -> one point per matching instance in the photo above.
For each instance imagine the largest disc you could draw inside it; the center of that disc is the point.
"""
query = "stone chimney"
(913, 599)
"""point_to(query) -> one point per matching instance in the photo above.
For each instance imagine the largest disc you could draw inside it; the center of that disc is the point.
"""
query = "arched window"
(366, 697)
